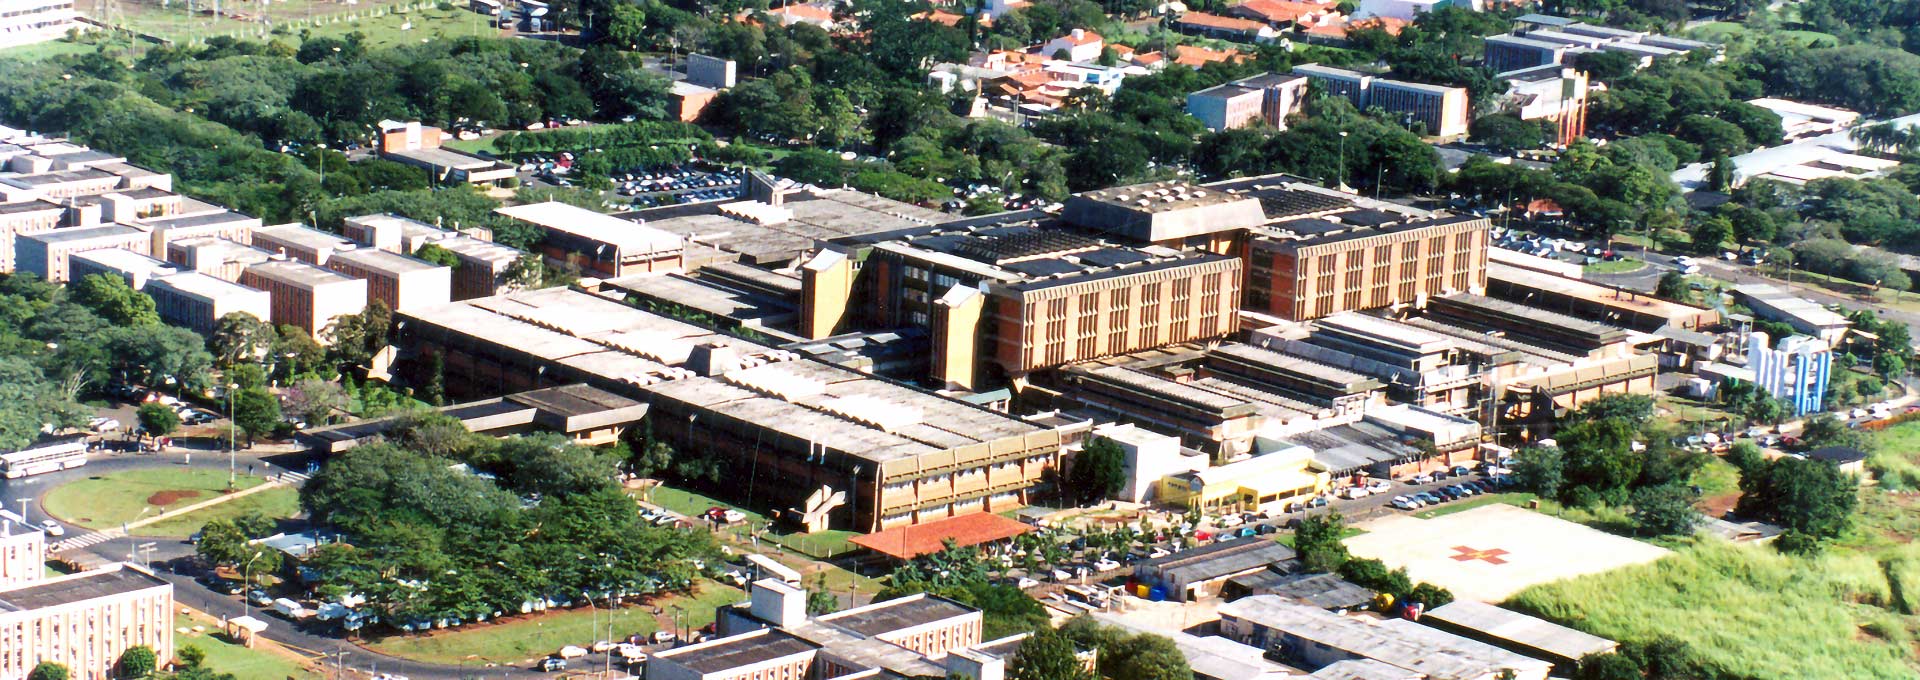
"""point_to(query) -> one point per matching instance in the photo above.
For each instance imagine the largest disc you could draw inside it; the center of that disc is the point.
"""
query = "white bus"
(47, 456)
(765, 567)
(487, 7)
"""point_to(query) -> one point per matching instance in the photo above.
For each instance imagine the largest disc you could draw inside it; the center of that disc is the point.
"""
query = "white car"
(1404, 503)
(1683, 260)
(601, 646)
(1025, 583)
(662, 636)
(53, 528)
(1106, 565)
(1353, 492)
(1229, 521)
(1378, 486)
(105, 424)
(1423, 478)
(732, 516)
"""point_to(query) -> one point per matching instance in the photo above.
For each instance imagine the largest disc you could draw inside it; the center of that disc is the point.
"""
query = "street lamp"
(23, 509)
(233, 477)
(246, 582)
(1341, 180)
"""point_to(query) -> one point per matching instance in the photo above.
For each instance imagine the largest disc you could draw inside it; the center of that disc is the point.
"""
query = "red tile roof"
(923, 539)
(805, 11)
(1196, 57)
(1276, 11)
(1213, 21)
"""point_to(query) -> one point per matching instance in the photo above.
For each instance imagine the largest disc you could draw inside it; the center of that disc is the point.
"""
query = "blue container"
(1157, 594)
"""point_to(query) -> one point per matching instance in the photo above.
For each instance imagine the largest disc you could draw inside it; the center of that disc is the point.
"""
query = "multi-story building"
(1267, 98)
(1551, 93)
(1443, 111)
(1771, 303)
(601, 245)
(306, 296)
(26, 217)
(420, 146)
(198, 301)
(391, 233)
(216, 257)
(300, 242)
(1005, 298)
(1504, 53)
(224, 224)
(49, 254)
(1544, 40)
(23, 551)
(25, 22)
(84, 621)
(399, 281)
(483, 264)
(1795, 371)
(1077, 45)
(129, 266)
(1310, 268)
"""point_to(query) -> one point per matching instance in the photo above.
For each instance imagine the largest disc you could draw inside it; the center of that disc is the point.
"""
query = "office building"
(420, 146)
(305, 296)
(1267, 481)
(221, 223)
(23, 551)
(1594, 301)
(299, 242)
(26, 217)
(26, 22)
(391, 233)
(1795, 371)
(1003, 297)
(1149, 457)
(1544, 40)
(1551, 93)
(1504, 53)
(484, 265)
(1168, 214)
(1225, 28)
(1310, 268)
(133, 268)
(1311, 637)
(1419, 367)
(49, 254)
(399, 281)
(198, 301)
(1799, 120)
(84, 621)
(776, 221)
(1268, 98)
(1771, 303)
(1437, 110)
(597, 244)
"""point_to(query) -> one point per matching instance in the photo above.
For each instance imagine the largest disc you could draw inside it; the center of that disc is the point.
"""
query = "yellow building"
(1284, 476)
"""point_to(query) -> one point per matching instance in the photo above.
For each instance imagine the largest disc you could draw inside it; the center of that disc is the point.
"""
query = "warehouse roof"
(1220, 559)
(1402, 643)
(1517, 628)
(629, 236)
(900, 614)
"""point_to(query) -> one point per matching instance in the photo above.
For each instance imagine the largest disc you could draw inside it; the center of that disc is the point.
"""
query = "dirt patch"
(165, 498)
(1718, 506)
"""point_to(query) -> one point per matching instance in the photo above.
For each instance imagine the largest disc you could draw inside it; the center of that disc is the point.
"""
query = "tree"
(1318, 542)
(1507, 132)
(1144, 657)
(48, 670)
(1632, 408)
(1809, 496)
(157, 419)
(1540, 469)
(1047, 655)
(1665, 510)
(1825, 430)
(1099, 471)
(314, 400)
(1720, 174)
(435, 253)
(549, 464)
(240, 336)
(1764, 408)
(1709, 233)
(1672, 286)
(256, 411)
(191, 657)
(821, 601)
(138, 662)
(526, 272)
(1889, 365)
(653, 455)
(109, 296)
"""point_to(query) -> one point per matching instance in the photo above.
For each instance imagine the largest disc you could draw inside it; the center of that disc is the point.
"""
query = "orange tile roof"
(1196, 57)
(1149, 58)
(1277, 11)
(1086, 37)
(947, 18)
(1205, 20)
(1391, 25)
(804, 11)
(924, 539)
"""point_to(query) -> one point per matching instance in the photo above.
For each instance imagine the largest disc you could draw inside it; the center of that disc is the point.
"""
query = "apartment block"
(399, 281)
(198, 301)
(49, 254)
(26, 217)
(1309, 268)
(299, 242)
(23, 551)
(224, 224)
(1002, 299)
(306, 296)
(25, 22)
(129, 266)
(1441, 111)
(216, 257)
(84, 621)
(601, 245)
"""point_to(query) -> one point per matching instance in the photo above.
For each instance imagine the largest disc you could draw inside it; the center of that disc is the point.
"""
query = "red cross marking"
(1469, 554)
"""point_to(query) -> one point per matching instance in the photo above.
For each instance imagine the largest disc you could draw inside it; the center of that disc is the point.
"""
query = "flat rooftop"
(25, 207)
(736, 651)
(1521, 629)
(78, 234)
(1031, 254)
(1402, 643)
(303, 236)
(42, 179)
(81, 587)
(123, 260)
(197, 220)
(445, 158)
(1410, 224)
(297, 273)
(1220, 559)
(1164, 196)
(1353, 446)
(629, 236)
(203, 286)
(393, 264)
(1787, 303)
(591, 334)
(896, 615)
(1591, 292)
(821, 215)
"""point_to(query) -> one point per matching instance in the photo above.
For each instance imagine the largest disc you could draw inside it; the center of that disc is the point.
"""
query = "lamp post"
(233, 477)
(246, 581)
(1340, 182)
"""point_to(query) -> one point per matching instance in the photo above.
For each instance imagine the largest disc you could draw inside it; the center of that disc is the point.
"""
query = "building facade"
(25, 22)
(305, 296)
(49, 254)
(84, 621)
(1796, 370)
(198, 301)
(399, 281)
(1442, 110)
(1299, 279)
(23, 551)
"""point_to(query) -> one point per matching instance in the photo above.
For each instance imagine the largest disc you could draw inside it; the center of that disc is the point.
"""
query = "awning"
(904, 543)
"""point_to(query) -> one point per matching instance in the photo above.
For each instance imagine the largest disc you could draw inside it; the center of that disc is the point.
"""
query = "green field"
(416, 26)
(1620, 266)
(522, 640)
(1896, 457)
(1726, 31)
(45, 50)
(277, 503)
(1750, 611)
(226, 657)
(107, 501)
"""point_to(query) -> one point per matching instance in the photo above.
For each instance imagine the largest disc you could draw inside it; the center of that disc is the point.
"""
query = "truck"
(290, 608)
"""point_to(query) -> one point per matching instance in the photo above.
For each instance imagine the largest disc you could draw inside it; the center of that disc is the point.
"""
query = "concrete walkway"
(104, 535)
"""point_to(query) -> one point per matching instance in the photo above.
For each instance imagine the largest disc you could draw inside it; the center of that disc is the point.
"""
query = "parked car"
(1422, 478)
(1404, 503)
(1428, 498)
(662, 636)
(551, 663)
(1105, 565)
(53, 528)
(1378, 486)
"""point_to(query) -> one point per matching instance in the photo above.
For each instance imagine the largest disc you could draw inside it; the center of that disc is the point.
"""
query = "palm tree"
(1879, 138)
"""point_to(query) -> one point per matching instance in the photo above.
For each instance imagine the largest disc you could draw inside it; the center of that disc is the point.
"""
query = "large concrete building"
(26, 218)
(133, 268)
(399, 281)
(1004, 298)
(1441, 111)
(49, 254)
(305, 296)
(1267, 98)
(25, 22)
(23, 551)
(1310, 268)
(198, 301)
(84, 621)
(599, 245)
(215, 257)
(1551, 93)
(300, 242)
(420, 146)
(484, 265)
(1311, 637)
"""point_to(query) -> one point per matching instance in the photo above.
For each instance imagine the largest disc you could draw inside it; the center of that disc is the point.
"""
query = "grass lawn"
(823, 544)
(1518, 499)
(1620, 266)
(1747, 610)
(46, 50)
(226, 657)
(1896, 458)
(277, 503)
(691, 504)
(420, 26)
(522, 639)
(1717, 477)
(482, 145)
(105, 501)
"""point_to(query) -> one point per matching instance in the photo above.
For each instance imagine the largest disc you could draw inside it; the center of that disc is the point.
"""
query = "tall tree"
(157, 419)
(1047, 655)
(110, 297)
(240, 336)
(256, 411)
(1099, 470)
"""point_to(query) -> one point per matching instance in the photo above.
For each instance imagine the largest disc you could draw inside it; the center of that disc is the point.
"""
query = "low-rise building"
(399, 281)
(1312, 637)
(1516, 631)
(129, 266)
(484, 265)
(1771, 303)
(84, 621)
(1594, 301)
(299, 242)
(1200, 572)
(1211, 657)
(23, 551)
(420, 146)
(224, 224)
(1077, 45)
(585, 414)
(26, 22)
(602, 245)
(1796, 371)
(305, 296)
(215, 257)
(1550, 93)
(23, 218)
(1270, 479)
(392, 233)
(1441, 110)
(1799, 121)
(198, 301)
(1225, 28)
(1149, 457)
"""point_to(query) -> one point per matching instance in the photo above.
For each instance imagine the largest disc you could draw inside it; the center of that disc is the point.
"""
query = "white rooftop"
(627, 235)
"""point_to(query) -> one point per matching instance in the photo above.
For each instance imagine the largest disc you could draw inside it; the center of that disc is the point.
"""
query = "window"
(916, 273)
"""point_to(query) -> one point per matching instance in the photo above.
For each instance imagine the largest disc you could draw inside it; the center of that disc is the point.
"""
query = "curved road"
(172, 559)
